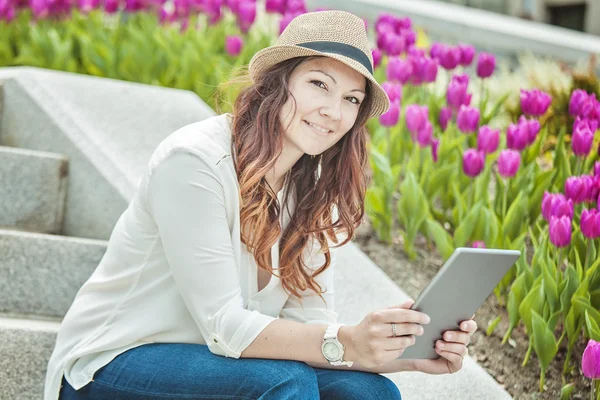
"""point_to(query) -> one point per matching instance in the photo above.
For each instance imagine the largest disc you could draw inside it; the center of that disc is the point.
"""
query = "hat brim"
(269, 56)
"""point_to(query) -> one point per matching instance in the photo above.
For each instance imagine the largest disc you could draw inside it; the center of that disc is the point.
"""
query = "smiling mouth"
(320, 130)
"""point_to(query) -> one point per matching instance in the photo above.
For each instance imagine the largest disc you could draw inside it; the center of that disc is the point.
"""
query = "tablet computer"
(459, 288)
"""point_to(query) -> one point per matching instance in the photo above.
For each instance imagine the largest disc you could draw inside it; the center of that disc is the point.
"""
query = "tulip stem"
(588, 254)
(592, 386)
(481, 90)
(504, 200)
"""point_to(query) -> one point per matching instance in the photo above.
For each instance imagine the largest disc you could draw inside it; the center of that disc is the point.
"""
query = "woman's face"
(328, 94)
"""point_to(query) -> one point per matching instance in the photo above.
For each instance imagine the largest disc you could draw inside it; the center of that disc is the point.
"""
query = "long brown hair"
(257, 143)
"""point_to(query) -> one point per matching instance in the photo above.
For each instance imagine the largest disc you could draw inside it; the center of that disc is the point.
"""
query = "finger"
(399, 343)
(405, 316)
(455, 360)
(456, 348)
(457, 337)
(469, 326)
(406, 305)
(405, 329)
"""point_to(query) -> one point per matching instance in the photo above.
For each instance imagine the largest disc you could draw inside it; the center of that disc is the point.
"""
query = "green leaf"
(571, 284)
(492, 325)
(533, 301)
(515, 217)
(592, 326)
(566, 391)
(544, 342)
(441, 238)
(465, 228)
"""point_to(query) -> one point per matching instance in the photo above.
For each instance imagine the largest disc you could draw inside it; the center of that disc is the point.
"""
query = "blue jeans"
(191, 371)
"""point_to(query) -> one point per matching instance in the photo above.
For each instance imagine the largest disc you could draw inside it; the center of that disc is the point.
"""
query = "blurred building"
(581, 15)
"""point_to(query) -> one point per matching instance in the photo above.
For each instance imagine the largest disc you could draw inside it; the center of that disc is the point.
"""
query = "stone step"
(40, 274)
(25, 348)
(33, 191)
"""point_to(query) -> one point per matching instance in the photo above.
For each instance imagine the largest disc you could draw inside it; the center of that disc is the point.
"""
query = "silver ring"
(393, 330)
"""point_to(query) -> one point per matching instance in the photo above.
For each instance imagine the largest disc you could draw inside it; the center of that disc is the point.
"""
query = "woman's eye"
(318, 83)
(357, 101)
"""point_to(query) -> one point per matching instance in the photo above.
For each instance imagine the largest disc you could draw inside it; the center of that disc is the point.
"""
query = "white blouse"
(175, 269)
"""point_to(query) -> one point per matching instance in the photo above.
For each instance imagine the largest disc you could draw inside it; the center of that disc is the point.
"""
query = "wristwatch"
(332, 349)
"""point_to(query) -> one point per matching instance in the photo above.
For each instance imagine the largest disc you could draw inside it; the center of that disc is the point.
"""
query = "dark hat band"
(341, 49)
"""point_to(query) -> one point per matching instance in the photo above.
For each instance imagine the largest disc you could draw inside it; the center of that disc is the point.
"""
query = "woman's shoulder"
(209, 139)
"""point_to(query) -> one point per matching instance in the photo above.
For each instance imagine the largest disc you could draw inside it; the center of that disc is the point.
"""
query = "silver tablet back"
(459, 288)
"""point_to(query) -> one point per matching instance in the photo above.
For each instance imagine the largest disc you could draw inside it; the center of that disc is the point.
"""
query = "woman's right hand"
(371, 342)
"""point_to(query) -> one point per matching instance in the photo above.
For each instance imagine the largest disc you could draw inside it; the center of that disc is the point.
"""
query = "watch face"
(331, 351)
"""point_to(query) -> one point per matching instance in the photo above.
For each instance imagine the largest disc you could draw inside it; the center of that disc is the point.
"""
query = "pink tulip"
(577, 188)
(233, 45)
(473, 162)
(399, 70)
(486, 64)
(557, 205)
(597, 169)
(376, 54)
(450, 57)
(385, 23)
(435, 145)
(391, 117)
(112, 6)
(517, 138)
(395, 44)
(467, 119)
(457, 93)
(445, 117)
(578, 98)
(479, 244)
(590, 361)
(425, 134)
(508, 163)
(560, 231)
(590, 223)
(436, 50)
(275, 6)
(424, 69)
(416, 117)
(467, 53)
(582, 139)
(531, 126)
(488, 139)
(393, 90)
(535, 102)
(295, 6)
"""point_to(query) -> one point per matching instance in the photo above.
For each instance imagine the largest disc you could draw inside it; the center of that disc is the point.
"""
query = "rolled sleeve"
(186, 199)
(313, 310)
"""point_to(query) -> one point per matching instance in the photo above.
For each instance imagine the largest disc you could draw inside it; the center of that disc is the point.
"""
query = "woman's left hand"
(452, 349)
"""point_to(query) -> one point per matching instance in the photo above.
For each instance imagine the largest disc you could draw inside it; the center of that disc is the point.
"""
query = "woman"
(218, 278)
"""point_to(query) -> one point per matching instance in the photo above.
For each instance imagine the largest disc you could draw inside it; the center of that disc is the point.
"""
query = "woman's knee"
(363, 386)
(290, 380)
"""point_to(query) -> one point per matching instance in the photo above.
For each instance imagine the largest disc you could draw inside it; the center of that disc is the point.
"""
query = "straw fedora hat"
(337, 34)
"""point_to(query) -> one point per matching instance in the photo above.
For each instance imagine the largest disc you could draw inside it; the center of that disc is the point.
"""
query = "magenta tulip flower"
(425, 69)
(590, 361)
(445, 117)
(393, 90)
(488, 139)
(577, 188)
(467, 119)
(403, 24)
(399, 70)
(395, 44)
(410, 37)
(597, 169)
(88, 5)
(557, 205)
(416, 116)
(457, 94)
(111, 6)
(517, 138)
(295, 6)
(275, 6)
(40, 8)
(285, 21)
(376, 53)
(582, 140)
(590, 223)
(425, 134)
(473, 162)
(508, 163)
(467, 53)
(450, 57)
(578, 98)
(385, 23)
(535, 102)
(247, 15)
(486, 64)
(436, 50)
(560, 231)
(391, 117)
(531, 126)
(435, 145)
(478, 244)
(233, 45)
(7, 11)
